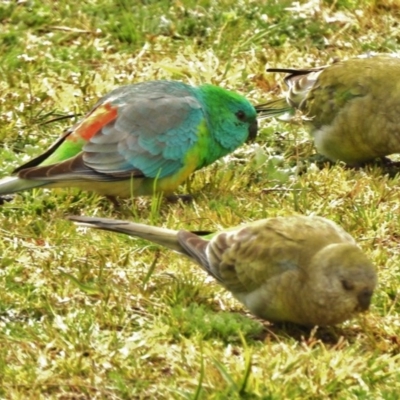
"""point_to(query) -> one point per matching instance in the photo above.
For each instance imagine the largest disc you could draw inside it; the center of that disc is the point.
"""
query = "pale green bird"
(305, 270)
(352, 106)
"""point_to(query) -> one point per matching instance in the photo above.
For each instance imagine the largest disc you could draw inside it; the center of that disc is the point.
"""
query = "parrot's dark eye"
(347, 285)
(241, 116)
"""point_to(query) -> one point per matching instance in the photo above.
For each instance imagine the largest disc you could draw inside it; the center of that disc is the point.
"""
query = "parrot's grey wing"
(141, 130)
(157, 123)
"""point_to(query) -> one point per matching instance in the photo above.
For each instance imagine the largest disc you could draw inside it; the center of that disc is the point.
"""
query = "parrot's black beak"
(364, 299)
(253, 130)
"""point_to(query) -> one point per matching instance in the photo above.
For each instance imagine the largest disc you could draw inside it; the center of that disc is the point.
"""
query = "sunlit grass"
(90, 314)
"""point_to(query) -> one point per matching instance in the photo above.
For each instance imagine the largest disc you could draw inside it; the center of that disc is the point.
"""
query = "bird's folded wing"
(134, 131)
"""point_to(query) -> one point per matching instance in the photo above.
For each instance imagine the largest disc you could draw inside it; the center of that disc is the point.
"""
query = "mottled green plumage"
(352, 106)
(142, 138)
(305, 270)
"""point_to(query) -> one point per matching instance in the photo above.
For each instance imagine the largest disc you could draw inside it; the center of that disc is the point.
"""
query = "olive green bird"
(305, 270)
(142, 138)
(352, 106)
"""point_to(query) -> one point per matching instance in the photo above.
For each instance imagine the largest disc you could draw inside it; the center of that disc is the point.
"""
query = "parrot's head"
(232, 117)
(341, 283)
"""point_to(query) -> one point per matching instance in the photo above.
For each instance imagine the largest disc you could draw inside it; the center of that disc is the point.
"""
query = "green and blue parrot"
(352, 106)
(305, 270)
(140, 139)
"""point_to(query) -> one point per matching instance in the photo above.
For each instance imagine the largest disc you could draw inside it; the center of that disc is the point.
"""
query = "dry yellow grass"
(95, 315)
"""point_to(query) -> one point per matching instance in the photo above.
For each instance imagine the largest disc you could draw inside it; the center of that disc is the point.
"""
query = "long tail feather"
(274, 108)
(13, 184)
(299, 82)
(162, 236)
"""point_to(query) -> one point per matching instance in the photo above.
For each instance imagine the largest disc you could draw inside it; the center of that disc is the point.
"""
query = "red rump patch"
(93, 122)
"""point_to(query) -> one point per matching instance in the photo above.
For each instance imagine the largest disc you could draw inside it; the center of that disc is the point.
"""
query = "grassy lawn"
(93, 315)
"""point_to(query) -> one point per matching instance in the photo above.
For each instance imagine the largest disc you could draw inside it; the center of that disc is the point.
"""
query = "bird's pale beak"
(253, 130)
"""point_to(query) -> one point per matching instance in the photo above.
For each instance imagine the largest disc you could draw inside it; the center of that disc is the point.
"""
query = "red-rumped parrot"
(142, 138)
(305, 270)
(352, 106)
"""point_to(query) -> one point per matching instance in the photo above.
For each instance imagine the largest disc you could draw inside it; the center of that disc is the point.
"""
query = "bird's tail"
(164, 237)
(275, 108)
(13, 184)
(299, 82)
